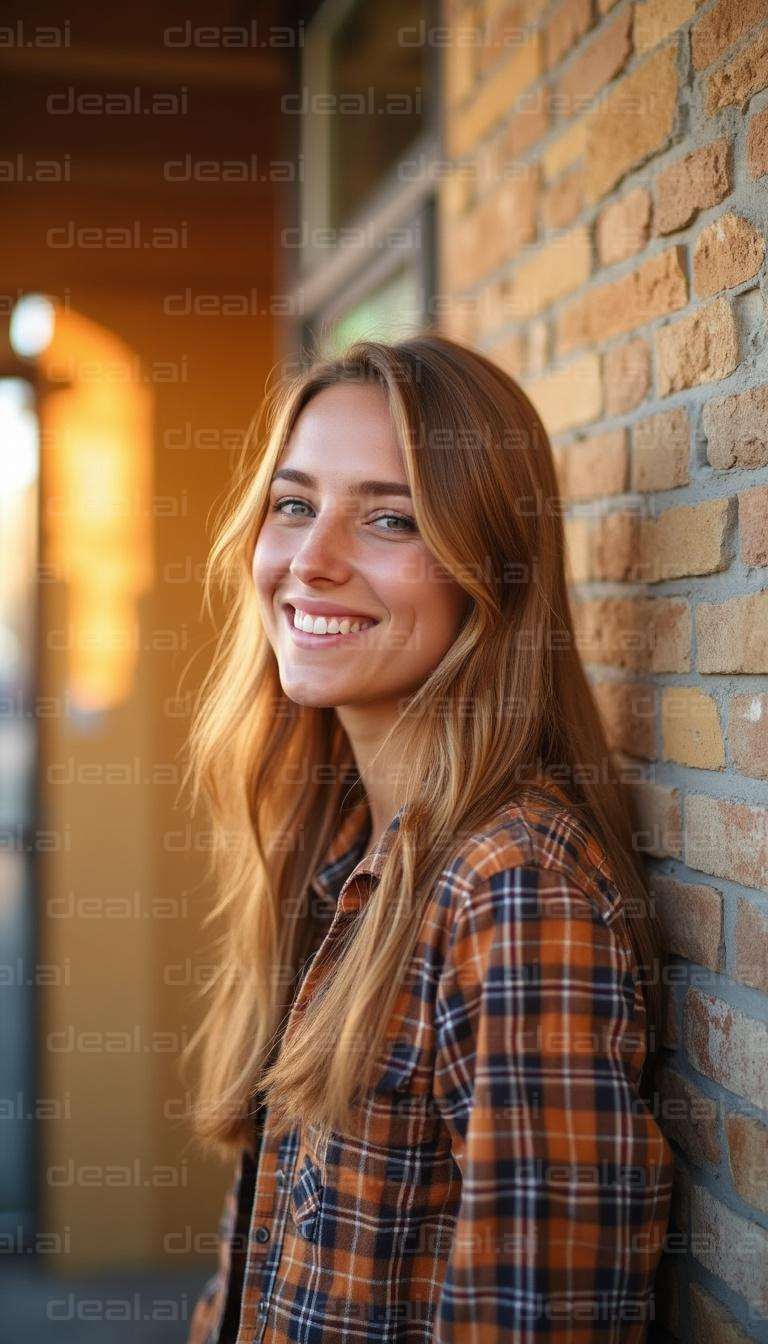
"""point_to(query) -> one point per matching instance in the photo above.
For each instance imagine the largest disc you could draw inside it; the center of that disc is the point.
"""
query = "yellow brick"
(701, 348)
(691, 539)
(690, 728)
(655, 287)
(461, 63)
(567, 149)
(656, 19)
(635, 120)
(553, 271)
(595, 466)
(495, 98)
(569, 395)
(577, 550)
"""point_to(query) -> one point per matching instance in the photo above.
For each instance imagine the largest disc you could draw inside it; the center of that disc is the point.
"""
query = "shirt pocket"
(400, 1111)
(306, 1199)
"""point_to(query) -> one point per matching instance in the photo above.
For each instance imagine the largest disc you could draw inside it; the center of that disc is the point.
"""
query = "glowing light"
(33, 322)
(19, 444)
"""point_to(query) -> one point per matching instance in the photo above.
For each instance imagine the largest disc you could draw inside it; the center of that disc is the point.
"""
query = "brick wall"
(602, 236)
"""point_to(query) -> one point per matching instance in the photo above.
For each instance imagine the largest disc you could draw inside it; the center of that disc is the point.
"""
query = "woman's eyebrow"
(355, 487)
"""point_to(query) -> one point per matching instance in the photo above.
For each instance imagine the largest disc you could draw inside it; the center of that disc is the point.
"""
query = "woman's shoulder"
(538, 829)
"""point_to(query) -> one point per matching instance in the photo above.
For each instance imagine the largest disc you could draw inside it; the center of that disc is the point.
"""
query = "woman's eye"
(410, 525)
(278, 507)
(407, 524)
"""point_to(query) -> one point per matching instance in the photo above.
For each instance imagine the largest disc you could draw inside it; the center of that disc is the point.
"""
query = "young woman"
(430, 1049)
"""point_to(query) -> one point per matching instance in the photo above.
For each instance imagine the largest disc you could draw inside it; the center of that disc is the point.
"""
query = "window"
(369, 132)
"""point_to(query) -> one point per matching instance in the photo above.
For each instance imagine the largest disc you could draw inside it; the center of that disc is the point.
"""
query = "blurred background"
(194, 196)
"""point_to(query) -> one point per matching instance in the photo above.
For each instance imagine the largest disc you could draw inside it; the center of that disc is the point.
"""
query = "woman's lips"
(309, 641)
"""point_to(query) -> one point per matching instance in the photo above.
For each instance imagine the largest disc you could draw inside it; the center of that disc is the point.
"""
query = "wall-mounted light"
(32, 325)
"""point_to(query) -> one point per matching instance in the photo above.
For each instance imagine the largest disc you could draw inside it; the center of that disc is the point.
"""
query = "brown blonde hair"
(282, 776)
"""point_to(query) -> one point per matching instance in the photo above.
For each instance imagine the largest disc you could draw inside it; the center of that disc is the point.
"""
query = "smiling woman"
(437, 1083)
(337, 550)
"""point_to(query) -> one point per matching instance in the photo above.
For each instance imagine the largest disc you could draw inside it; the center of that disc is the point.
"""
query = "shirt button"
(262, 1233)
(280, 1177)
(262, 1306)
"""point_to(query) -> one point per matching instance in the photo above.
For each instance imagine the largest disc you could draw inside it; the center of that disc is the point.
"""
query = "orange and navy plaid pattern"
(506, 1181)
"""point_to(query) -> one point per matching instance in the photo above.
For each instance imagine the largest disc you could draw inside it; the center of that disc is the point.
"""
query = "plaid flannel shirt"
(507, 1182)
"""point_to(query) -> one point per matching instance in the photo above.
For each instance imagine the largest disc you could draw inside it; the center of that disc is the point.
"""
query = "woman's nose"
(324, 548)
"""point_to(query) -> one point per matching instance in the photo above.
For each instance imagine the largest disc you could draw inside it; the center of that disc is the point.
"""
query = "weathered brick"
(727, 1046)
(616, 547)
(461, 64)
(660, 451)
(692, 918)
(696, 182)
(495, 307)
(689, 1117)
(504, 30)
(554, 270)
(691, 539)
(727, 252)
(642, 634)
(627, 376)
(527, 125)
(747, 1148)
(628, 714)
(595, 466)
(458, 322)
(569, 22)
(493, 231)
(511, 212)
(656, 287)
(748, 733)
(727, 840)
(561, 203)
(635, 119)
(690, 728)
(623, 227)
(733, 635)
(569, 395)
(753, 525)
(456, 194)
(720, 27)
(495, 95)
(709, 1322)
(736, 81)
(509, 355)
(656, 19)
(757, 144)
(701, 348)
(730, 1247)
(577, 550)
(736, 428)
(598, 63)
(537, 348)
(659, 820)
(671, 1033)
(750, 947)
(568, 148)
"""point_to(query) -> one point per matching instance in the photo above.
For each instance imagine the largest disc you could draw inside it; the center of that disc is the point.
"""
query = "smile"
(312, 631)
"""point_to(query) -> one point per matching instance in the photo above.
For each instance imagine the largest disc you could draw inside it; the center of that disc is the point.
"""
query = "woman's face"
(332, 544)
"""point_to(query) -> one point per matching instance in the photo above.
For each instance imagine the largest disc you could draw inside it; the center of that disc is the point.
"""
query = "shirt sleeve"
(566, 1177)
(209, 1308)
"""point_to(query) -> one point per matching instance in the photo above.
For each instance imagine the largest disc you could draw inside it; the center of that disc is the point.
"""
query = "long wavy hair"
(279, 778)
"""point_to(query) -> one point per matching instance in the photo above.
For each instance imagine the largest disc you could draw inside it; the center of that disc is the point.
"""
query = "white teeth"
(327, 625)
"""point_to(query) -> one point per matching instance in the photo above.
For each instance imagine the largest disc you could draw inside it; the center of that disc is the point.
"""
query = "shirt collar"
(343, 859)
(342, 862)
